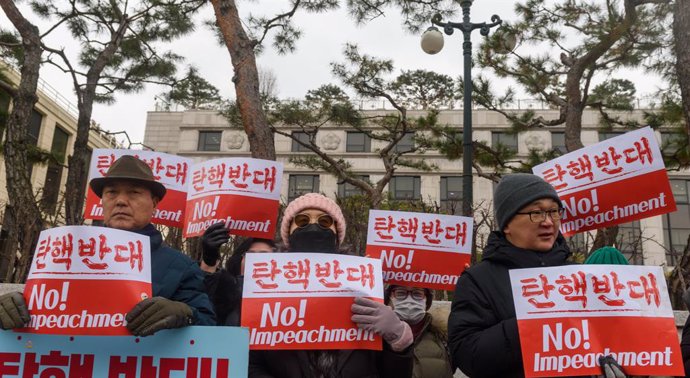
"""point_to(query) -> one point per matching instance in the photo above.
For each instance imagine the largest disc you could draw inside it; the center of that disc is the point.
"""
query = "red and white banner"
(170, 170)
(242, 192)
(569, 316)
(595, 182)
(75, 268)
(419, 249)
(303, 300)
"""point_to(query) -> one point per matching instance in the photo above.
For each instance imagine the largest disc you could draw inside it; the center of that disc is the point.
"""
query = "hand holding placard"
(377, 317)
(13, 311)
(154, 314)
(213, 238)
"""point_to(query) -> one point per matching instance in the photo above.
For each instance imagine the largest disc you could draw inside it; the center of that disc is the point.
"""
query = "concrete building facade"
(204, 134)
(52, 128)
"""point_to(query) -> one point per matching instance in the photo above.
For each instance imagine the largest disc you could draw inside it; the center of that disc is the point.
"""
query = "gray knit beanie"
(518, 190)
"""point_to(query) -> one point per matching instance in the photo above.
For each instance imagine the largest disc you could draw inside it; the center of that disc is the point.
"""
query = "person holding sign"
(431, 357)
(130, 194)
(224, 286)
(483, 331)
(315, 223)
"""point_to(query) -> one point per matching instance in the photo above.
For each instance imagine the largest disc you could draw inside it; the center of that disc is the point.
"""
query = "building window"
(302, 137)
(405, 188)
(209, 140)
(608, 135)
(406, 144)
(558, 143)
(506, 140)
(51, 187)
(677, 223)
(302, 184)
(358, 142)
(451, 194)
(629, 242)
(346, 189)
(670, 143)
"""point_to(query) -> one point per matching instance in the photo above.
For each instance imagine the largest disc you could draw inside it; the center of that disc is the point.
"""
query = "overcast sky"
(323, 39)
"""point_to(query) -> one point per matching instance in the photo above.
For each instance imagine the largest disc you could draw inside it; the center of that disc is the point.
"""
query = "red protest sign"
(242, 192)
(170, 170)
(570, 316)
(594, 182)
(303, 300)
(74, 267)
(419, 249)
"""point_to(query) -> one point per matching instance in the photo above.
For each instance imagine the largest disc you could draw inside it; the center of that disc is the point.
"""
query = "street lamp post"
(432, 42)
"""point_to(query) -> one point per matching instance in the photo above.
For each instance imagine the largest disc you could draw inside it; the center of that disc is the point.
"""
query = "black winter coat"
(482, 327)
(350, 364)
(225, 291)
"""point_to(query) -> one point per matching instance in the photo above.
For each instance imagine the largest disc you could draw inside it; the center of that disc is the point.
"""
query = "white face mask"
(409, 310)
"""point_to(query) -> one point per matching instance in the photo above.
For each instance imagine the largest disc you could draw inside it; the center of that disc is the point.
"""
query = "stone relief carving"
(535, 142)
(235, 141)
(330, 141)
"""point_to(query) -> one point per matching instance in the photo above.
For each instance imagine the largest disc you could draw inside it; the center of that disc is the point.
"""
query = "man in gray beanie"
(483, 338)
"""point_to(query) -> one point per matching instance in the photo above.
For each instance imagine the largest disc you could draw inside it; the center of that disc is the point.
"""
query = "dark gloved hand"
(13, 311)
(154, 314)
(214, 236)
(377, 317)
(610, 367)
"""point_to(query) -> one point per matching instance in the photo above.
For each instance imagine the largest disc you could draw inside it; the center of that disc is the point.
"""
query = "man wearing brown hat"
(130, 194)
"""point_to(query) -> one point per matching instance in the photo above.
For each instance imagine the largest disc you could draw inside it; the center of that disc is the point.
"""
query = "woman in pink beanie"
(315, 223)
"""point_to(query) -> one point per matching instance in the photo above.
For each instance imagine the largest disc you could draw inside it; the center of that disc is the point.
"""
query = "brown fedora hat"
(128, 168)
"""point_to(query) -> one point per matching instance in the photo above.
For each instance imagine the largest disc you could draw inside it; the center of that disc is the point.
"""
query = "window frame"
(365, 145)
(497, 138)
(416, 188)
(203, 143)
(293, 192)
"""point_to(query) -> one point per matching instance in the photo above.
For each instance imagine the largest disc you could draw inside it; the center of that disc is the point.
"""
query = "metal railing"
(383, 104)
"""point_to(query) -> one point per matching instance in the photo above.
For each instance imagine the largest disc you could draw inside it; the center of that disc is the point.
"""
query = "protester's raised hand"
(13, 311)
(377, 317)
(154, 314)
(611, 368)
(214, 236)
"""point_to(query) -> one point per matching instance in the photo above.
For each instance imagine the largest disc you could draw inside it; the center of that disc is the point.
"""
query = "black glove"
(610, 367)
(13, 311)
(154, 314)
(213, 238)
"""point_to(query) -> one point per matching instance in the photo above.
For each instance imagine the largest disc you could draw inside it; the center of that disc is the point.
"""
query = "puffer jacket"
(431, 359)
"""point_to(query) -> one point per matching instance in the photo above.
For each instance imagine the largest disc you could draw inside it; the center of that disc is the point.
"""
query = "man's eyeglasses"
(539, 216)
(303, 220)
(400, 294)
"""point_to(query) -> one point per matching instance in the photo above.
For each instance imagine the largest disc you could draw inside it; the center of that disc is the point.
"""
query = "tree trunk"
(75, 188)
(246, 79)
(19, 190)
(681, 36)
(604, 237)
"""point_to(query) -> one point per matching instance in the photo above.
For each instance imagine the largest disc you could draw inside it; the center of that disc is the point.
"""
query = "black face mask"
(313, 238)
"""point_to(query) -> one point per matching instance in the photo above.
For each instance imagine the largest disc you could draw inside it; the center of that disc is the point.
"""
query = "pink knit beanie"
(312, 201)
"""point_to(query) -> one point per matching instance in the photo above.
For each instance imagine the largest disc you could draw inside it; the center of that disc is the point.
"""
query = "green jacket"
(431, 359)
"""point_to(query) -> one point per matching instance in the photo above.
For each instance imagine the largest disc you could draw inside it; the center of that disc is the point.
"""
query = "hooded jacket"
(176, 277)
(483, 334)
